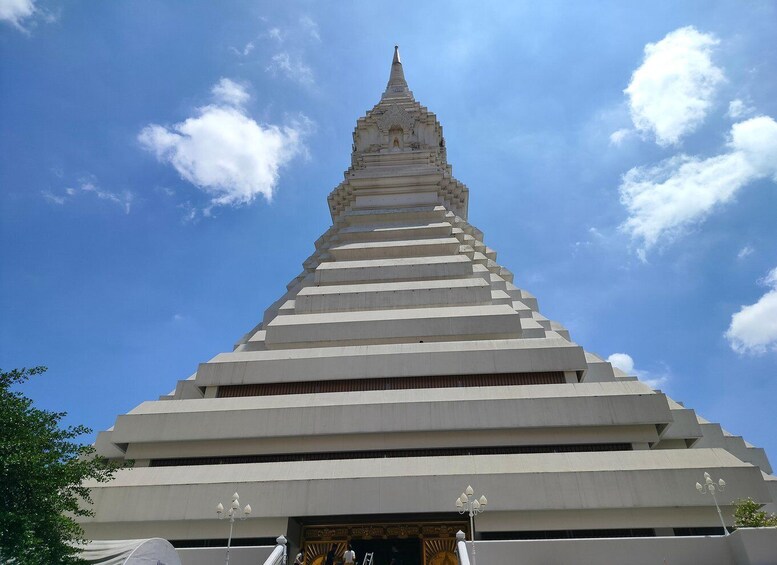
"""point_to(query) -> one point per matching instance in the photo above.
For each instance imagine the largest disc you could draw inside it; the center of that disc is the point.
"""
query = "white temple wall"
(514, 408)
(526, 482)
(393, 360)
(638, 435)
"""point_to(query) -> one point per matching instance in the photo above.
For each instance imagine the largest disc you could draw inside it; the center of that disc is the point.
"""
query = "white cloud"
(738, 109)
(230, 92)
(625, 363)
(594, 237)
(295, 69)
(672, 91)
(619, 136)
(16, 11)
(310, 27)
(189, 213)
(89, 186)
(665, 199)
(276, 34)
(245, 51)
(226, 153)
(53, 198)
(25, 14)
(754, 328)
(123, 199)
(746, 251)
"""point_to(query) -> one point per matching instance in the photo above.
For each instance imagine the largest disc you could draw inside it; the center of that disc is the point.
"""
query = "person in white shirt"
(349, 557)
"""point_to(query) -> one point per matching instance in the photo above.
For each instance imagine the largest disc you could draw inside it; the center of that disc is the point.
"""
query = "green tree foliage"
(42, 469)
(748, 514)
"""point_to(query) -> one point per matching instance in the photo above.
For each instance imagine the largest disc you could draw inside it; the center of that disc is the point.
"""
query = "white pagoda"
(403, 364)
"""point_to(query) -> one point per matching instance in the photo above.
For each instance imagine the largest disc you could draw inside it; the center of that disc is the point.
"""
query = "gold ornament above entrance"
(414, 543)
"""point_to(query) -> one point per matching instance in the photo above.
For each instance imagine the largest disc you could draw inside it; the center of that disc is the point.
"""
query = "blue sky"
(164, 168)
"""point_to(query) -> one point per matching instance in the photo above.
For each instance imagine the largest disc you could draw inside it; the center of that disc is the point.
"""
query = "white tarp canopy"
(154, 551)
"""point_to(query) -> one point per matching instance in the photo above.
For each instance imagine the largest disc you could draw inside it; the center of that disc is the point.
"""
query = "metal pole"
(725, 529)
(229, 540)
(472, 529)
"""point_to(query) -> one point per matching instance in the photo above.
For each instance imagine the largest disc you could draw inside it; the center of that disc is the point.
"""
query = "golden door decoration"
(438, 539)
(440, 552)
(315, 552)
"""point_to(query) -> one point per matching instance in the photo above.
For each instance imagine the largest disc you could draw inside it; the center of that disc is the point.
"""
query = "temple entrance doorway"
(401, 551)
(406, 543)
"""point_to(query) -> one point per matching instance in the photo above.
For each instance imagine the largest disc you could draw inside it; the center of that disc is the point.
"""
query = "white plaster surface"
(743, 547)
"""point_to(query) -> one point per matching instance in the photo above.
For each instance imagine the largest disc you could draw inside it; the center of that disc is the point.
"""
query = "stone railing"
(745, 546)
(461, 548)
(278, 555)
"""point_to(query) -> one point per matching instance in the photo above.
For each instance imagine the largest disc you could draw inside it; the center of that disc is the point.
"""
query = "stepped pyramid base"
(401, 365)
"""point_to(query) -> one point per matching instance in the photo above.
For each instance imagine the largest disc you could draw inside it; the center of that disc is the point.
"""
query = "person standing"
(349, 558)
(330, 557)
(395, 556)
(299, 559)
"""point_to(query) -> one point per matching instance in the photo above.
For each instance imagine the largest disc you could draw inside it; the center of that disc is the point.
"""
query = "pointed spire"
(397, 85)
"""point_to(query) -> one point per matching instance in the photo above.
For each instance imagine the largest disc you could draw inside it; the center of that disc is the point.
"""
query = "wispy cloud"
(190, 213)
(663, 200)
(276, 34)
(291, 44)
(625, 363)
(226, 153)
(619, 136)
(227, 91)
(23, 14)
(16, 12)
(593, 237)
(746, 251)
(310, 27)
(245, 51)
(739, 109)
(753, 330)
(89, 186)
(672, 91)
(123, 199)
(294, 69)
(54, 198)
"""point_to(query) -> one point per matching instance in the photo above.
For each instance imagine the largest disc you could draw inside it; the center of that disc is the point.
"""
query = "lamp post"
(710, 487)
(467, 503)
(234, 512)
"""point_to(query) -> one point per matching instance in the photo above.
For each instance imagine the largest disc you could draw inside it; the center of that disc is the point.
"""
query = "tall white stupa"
(402, 364)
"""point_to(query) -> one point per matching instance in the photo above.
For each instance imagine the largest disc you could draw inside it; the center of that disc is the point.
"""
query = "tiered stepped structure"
(401, 365)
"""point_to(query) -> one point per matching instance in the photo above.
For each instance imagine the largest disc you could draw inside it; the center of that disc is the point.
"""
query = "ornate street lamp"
(467, 503)
(710, 487)
(234, 512)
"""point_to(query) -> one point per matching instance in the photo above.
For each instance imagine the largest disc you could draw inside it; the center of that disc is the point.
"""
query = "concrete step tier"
(394, 269)
(393, 295)
(551, 408)
(388, 249)
(564, 487)
(388, 232)
(396, 326)
(392, 360)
